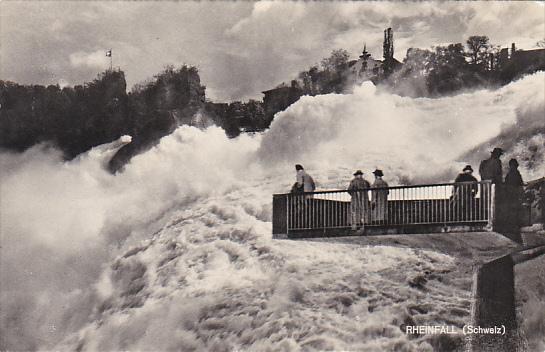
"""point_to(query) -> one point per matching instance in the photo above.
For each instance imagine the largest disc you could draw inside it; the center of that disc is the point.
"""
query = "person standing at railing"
(305, 182)
(513, 177)
(491, 168)
(359, 203)
(513, 195)
(379, 198)
(463, 195)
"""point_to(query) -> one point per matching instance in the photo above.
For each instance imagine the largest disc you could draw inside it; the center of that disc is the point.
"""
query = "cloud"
(241, 48)
(95, 59)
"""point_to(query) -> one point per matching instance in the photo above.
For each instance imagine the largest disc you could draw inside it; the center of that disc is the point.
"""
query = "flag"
(109, 53)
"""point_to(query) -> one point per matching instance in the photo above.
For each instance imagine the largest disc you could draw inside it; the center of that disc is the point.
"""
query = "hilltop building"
(367, 68)
(280, 98)
(512, 63)
(527, 58)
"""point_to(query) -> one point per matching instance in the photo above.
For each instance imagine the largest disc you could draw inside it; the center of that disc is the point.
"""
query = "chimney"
(513, 49)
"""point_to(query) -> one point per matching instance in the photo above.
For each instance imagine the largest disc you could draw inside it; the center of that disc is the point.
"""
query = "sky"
(241, 48)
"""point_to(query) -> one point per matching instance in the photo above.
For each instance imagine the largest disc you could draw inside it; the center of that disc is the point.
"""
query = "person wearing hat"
(379, 202)
(466, 175)
(305, 182)
(359, 204)
(491, 168)
(463, 195)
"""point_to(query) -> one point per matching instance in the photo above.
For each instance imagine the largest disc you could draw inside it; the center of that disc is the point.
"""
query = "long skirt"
(359, 210)
(380, 209)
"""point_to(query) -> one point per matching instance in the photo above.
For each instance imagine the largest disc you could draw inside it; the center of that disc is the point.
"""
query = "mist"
(139, 260)
(413, 140)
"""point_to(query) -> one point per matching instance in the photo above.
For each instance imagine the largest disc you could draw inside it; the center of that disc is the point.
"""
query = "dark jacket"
(463, 177)
(297, 189)
(514, 185)
(513, 196)
(513, 178)
(490, 169)
(358, 184)
(468, 190)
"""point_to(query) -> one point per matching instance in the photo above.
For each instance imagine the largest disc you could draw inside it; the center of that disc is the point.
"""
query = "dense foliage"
(76, 119)
(447, 69)
(73, 118)
(328, 77)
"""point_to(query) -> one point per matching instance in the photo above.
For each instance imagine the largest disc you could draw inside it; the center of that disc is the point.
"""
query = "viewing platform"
(428, 208)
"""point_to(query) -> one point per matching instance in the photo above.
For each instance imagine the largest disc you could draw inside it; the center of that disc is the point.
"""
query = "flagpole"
(111, 60)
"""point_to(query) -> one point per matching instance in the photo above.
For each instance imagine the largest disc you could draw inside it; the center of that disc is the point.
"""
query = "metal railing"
(449, 203)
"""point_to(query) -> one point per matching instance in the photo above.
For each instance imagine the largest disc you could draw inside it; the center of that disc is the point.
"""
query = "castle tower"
(365, 55)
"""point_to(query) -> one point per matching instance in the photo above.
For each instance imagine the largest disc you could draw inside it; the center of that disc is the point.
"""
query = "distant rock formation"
(176, 97)
(148, 137)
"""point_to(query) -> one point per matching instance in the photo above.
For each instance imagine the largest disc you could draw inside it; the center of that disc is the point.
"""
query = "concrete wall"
(494, 301)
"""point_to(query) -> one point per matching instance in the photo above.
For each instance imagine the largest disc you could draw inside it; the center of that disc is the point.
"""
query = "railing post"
(491, 206)
(280, 216)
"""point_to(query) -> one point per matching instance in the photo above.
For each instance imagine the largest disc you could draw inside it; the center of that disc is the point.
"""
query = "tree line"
(447, 69)
(425, 72)
(77, 118)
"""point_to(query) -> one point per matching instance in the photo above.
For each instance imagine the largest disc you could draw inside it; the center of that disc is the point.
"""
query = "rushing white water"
(176, 251)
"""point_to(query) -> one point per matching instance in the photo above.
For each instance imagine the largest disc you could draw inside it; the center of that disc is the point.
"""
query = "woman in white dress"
(379, 198)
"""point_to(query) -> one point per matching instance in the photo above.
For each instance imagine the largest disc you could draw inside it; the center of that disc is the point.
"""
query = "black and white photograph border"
(272, 176)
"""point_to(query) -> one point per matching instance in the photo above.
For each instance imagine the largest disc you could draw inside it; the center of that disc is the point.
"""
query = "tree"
(338, 60)
(417, 62)
(331, 78)
(449, 71)
(477, 49)
(493, 57)
(306, 82)
(451, 55)
(410, 80)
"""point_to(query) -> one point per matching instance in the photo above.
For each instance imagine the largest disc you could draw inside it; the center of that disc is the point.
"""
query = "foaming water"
(175, 252)
(414, 139)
